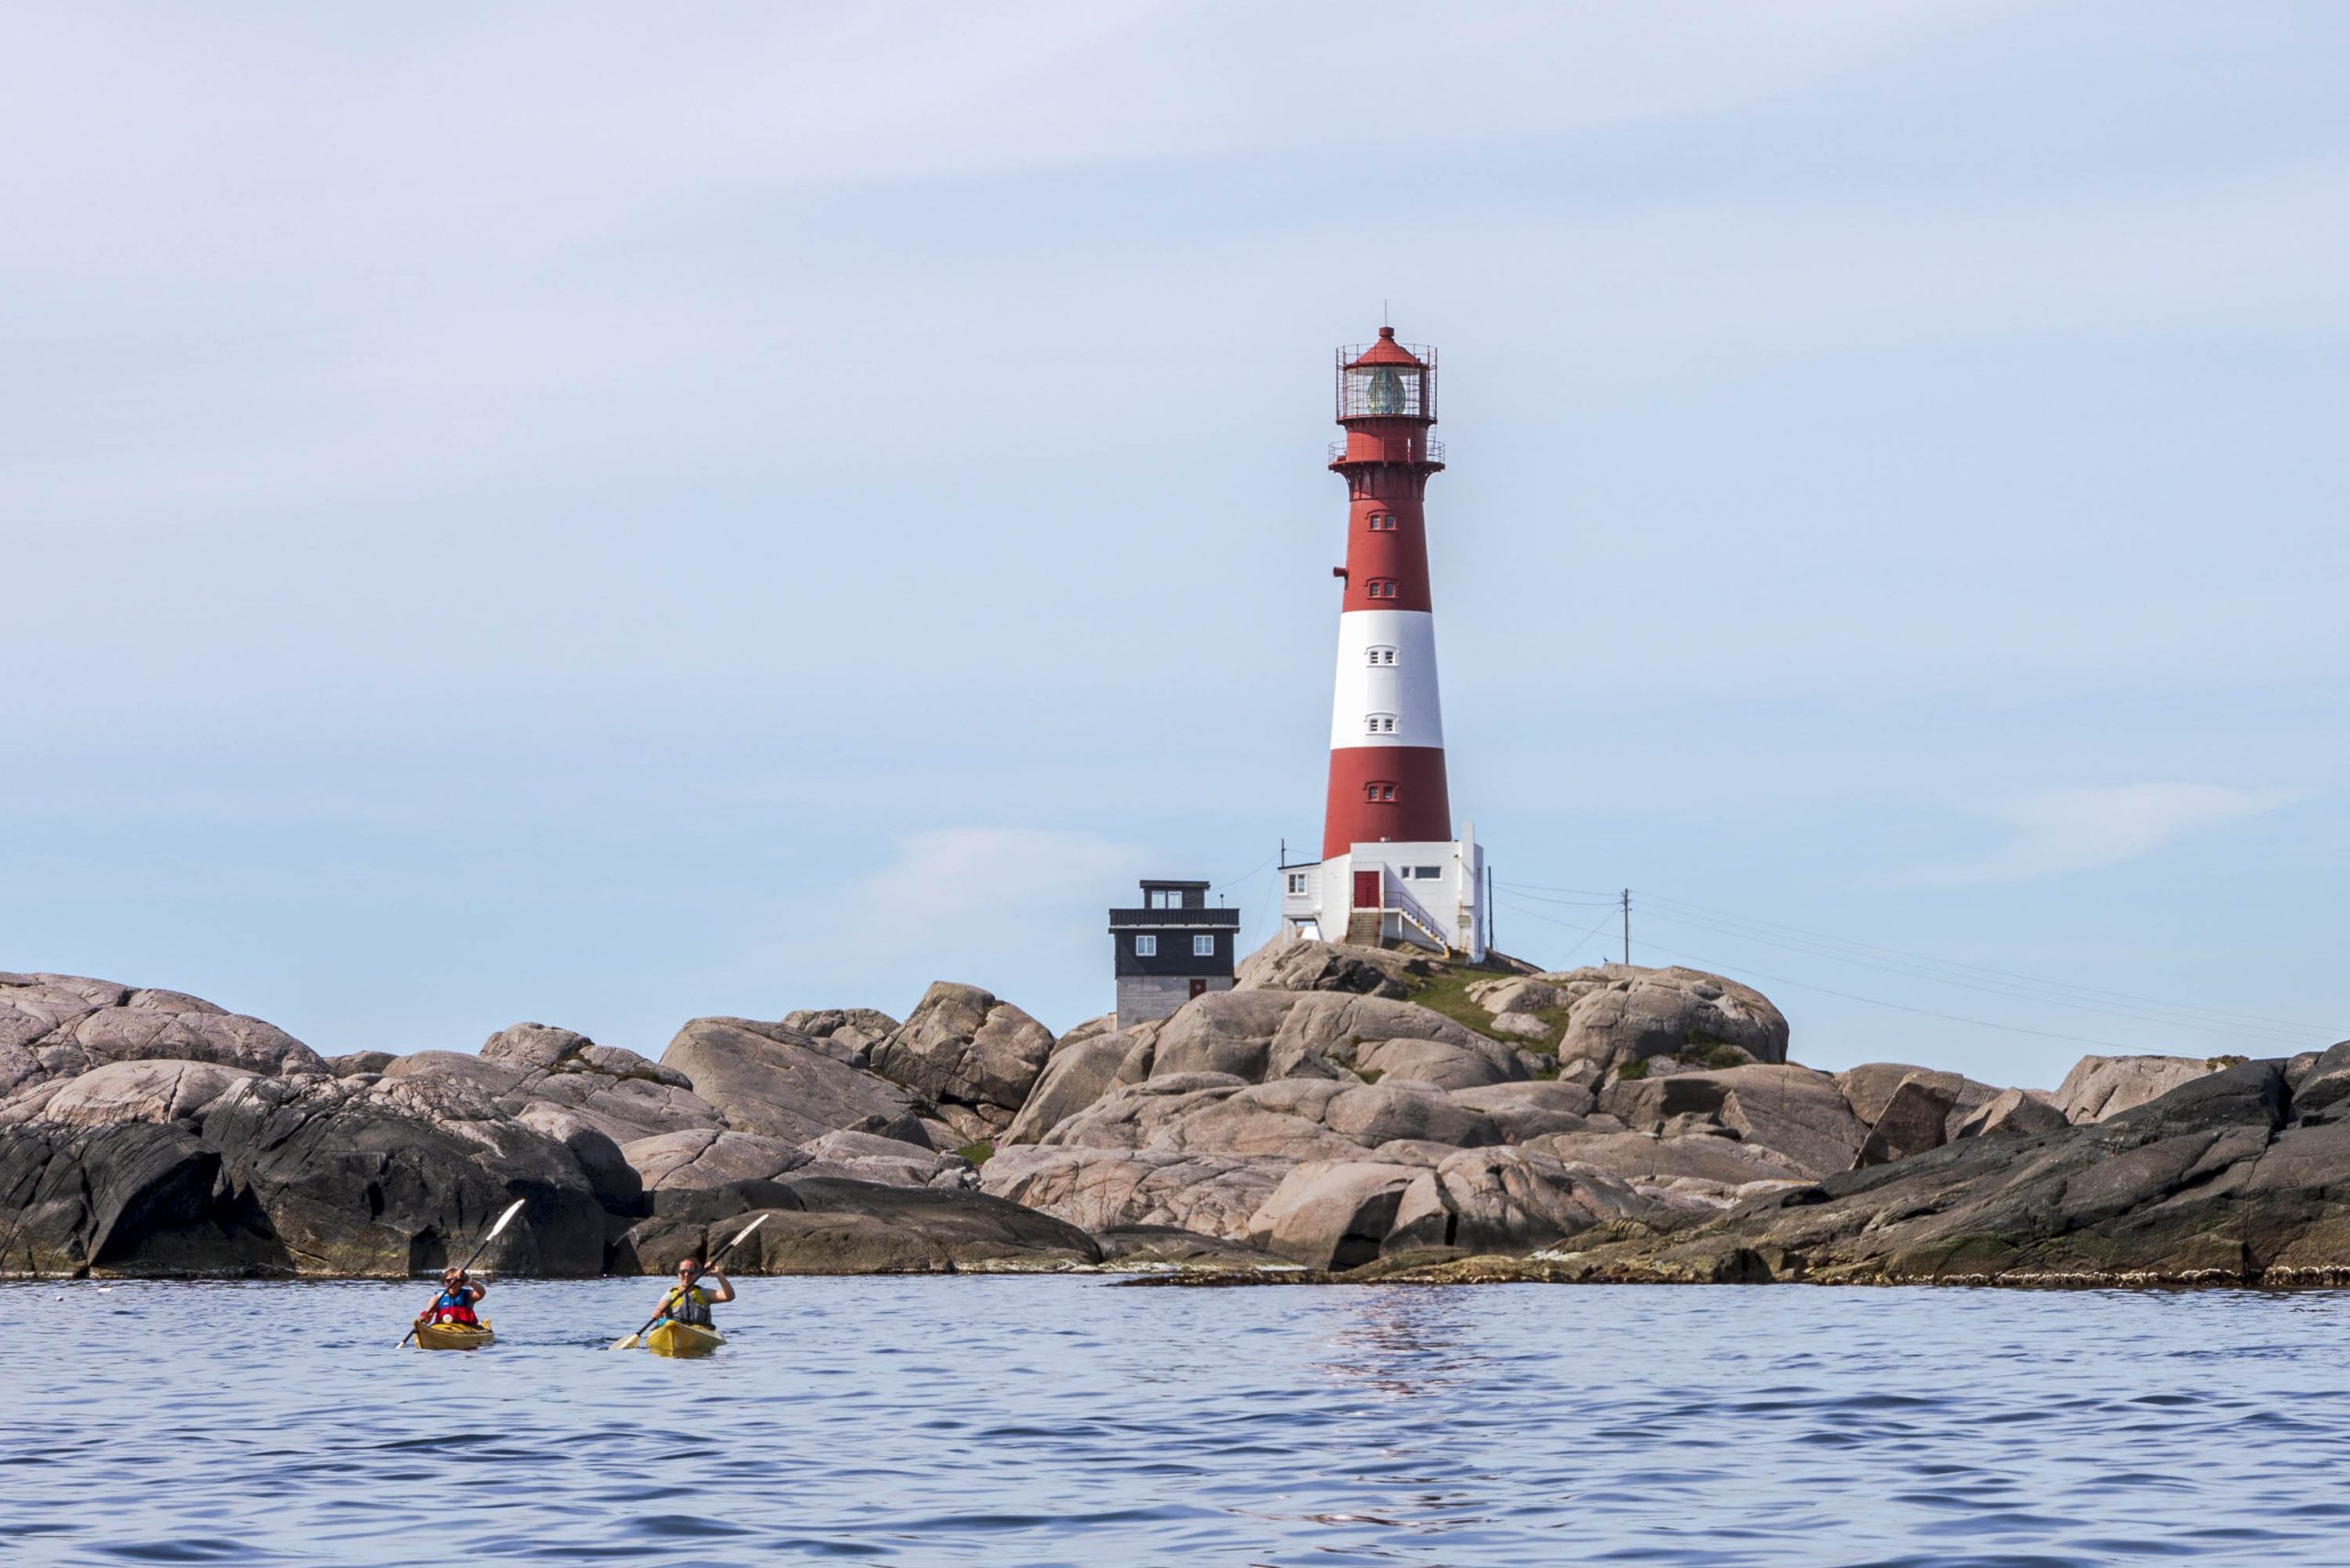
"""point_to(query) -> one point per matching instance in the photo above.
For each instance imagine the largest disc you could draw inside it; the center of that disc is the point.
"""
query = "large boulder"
(138, 1196)
(700, 1160)
(1225, 1032)
(1082, 1069)
(2209, 1182)
(1717, 1168)
(1912, 1120)
(1517, 1199)
(1296, 964)
(848, 1033)
(2324, 1084)
(962, 1045)
(1210, 1111)
(610, 1177)
(196, 1168)
(1331, 1214)
(139, 1092)
(491, 1078)
(775, 1081)
(2011, 1113)
(827, 1226)
(1380, 1113)
(2099, 1087)
(619, 1092)
(398, 1177)
(887, 1161)
(1260, 1034)
(60, 1025)
(1522, 1111)
(1447, 1064)
(1621, 1013)
(1107, 1189)
(1327, 1027)
(1289, 1119)
(1790, 1110)
(1869, 1088)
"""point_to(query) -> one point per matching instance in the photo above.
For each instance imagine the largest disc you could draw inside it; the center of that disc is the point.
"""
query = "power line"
(1537, 888)
(1901, 1007)
(2259, 1034)
(1608, 902)
(1537, 914)
(2219, 1019)
(1226, 886)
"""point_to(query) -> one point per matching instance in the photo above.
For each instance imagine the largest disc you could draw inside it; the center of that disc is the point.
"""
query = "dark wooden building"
(1171, 949)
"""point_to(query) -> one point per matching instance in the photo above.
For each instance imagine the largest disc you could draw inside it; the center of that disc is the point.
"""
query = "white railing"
(1394, 895)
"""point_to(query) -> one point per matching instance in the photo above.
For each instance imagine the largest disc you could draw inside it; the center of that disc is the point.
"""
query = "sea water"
(1025, 1421)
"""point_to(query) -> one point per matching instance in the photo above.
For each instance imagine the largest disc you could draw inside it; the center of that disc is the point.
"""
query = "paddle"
(503, 1221)
(628, 1342)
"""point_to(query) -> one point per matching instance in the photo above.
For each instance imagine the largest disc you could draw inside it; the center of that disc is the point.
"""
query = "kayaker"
(689, 1302)
(459, 1291)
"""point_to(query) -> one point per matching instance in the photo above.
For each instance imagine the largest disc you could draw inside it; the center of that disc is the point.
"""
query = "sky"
(601, 514)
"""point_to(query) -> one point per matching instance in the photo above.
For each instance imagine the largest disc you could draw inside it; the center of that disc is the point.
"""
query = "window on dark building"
(1146, 947)
(1203, 947)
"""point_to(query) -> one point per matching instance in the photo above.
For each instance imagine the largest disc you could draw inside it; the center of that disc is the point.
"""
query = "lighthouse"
(1393, 871)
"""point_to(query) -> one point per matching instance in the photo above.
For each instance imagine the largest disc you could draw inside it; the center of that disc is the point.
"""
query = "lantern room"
(1387, 380)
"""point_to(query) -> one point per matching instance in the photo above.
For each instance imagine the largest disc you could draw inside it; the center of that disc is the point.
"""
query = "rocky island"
(1342, 1113)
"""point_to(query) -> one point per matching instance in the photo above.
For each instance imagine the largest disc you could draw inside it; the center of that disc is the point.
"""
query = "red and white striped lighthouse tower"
(1392, 872)
(1386, 726)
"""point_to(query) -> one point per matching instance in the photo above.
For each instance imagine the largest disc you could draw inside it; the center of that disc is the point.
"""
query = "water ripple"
(1060, 1421)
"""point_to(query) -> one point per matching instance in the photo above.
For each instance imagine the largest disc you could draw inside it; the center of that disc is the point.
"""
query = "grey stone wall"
(1142, 998)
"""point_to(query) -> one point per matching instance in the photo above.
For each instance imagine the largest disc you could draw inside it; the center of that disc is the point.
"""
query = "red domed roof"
(1386, 351)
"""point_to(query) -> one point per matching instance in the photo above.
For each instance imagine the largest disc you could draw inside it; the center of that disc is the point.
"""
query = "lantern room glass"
(1391, 391)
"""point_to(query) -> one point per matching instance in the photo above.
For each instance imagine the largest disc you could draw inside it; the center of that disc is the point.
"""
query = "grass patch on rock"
(1448, 994)
(977, 1153)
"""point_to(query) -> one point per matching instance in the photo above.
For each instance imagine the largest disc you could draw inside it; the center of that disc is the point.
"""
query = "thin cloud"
(949, 887)
(2078, 830)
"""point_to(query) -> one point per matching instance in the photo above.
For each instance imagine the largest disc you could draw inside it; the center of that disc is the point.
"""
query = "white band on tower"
(1386, 685)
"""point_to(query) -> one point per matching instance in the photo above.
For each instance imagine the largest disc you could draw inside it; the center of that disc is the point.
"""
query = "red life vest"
(452, 1306)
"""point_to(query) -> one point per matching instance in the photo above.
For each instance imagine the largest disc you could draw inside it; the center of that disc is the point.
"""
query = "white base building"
(1430, 896)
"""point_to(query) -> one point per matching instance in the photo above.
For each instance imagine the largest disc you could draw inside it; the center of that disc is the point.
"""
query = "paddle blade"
(504, 1220)
(626, 1342)
(744, 1232)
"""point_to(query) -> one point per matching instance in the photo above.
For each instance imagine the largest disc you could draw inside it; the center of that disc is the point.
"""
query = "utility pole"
(1489, 909)
(1628, 928)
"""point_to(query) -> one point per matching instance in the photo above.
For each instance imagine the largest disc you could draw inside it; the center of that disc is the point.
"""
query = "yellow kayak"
(672, 1338)
(454, 1336)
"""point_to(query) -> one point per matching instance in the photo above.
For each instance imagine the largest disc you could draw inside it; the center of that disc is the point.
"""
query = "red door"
(1367, 891)
(1199, 988)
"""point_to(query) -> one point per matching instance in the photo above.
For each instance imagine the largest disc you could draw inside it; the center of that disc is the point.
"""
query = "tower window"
(1383, 587)
(1203, 947)
(1382, 656)
(1378, 791)
(1146, 947)
(1379, 723)
(1383, 522)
